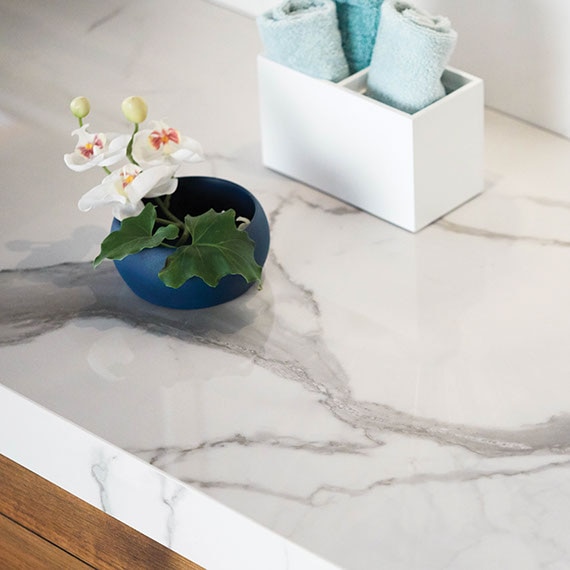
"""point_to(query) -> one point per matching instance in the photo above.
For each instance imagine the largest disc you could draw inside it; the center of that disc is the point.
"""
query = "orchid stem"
(170, 216)
(184, 237)
(130, 145)
(168, 213)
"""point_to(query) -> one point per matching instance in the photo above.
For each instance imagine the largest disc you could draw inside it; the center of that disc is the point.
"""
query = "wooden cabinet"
(43, 527)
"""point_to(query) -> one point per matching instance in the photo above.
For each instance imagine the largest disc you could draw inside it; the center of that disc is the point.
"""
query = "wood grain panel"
(22, 549)
(83, 531)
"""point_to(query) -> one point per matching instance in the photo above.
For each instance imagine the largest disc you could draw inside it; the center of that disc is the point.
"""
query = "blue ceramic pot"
(196, 195)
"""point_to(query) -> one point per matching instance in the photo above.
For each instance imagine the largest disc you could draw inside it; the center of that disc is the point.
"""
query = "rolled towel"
(411, 51)
(358, 23)
(304, 35)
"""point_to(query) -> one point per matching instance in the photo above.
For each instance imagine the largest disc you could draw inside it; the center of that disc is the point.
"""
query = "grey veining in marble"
(77, 291)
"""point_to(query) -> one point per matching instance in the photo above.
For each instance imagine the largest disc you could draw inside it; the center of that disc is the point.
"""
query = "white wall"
(521, 48)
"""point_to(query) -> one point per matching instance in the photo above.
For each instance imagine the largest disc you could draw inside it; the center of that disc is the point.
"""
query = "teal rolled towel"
(358, 22)
(411, 51)
(304, 35)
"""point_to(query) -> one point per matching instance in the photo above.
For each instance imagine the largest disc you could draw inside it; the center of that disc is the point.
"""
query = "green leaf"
(134, 235)
(218, 248)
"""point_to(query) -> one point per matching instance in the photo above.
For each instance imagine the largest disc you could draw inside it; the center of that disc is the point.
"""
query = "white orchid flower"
(126, 187)
(164, 145)
(96, 149)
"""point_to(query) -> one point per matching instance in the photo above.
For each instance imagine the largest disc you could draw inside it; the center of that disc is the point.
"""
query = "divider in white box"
(406, 169)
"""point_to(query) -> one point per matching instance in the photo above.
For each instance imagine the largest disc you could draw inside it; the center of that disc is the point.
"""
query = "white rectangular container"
(406, 169)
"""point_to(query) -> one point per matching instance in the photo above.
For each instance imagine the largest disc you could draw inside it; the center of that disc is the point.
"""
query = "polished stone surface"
(387, 400)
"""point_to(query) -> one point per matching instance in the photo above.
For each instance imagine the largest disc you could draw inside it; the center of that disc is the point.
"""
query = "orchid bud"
(80, 107)
(134, 109)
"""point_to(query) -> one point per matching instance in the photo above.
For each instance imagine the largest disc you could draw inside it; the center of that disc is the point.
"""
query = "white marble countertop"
(388, 400)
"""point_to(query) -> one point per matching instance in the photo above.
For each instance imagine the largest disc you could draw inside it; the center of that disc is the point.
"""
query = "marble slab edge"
(140, 495)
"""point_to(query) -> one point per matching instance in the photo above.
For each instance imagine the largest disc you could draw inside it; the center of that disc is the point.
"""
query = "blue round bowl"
(196, 195)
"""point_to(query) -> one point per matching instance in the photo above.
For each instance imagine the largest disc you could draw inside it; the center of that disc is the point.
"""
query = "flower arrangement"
(139, 189)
